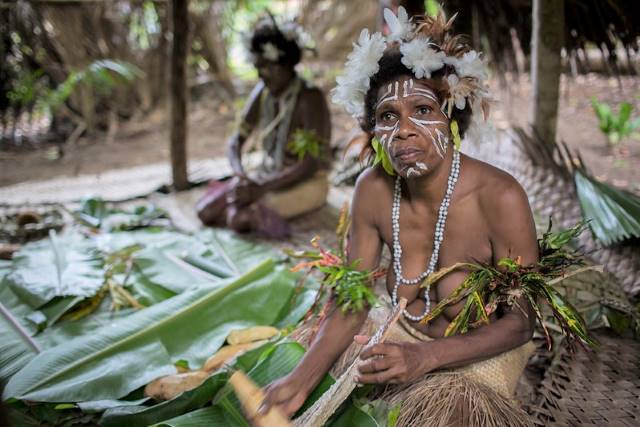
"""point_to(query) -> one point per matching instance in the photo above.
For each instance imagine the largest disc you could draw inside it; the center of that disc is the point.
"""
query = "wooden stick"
(319, 413)
(19, 328)
(251, 397)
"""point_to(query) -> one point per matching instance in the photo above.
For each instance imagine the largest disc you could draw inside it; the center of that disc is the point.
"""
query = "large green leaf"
(133, 416)
(276, 362)
(189, 326)
(191, 400)
(56, 267)
(614, 213)
(15, 350)
(237, 252)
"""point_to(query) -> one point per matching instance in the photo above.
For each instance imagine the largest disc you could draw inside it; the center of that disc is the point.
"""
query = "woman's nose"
(406, 128)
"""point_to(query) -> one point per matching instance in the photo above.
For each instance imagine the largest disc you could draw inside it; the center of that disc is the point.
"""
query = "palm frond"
(614, 214)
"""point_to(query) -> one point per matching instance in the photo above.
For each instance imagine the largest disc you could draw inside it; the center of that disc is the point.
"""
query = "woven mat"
(593, 388)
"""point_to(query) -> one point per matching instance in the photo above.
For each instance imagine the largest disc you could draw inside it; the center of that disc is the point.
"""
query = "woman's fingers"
(375, 365)
(380, 377)
(377, 350)
(361, 339)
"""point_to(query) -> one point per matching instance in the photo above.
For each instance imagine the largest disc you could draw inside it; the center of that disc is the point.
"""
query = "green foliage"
(486, 288)
(351, 287)
(432, 7)
(264, 366)
(382, 157)
(26, 88)
(95, 213)
(305, 142)
(59, 266)
(146, 341)
(613, 214)
(615, 126)
(101, 75)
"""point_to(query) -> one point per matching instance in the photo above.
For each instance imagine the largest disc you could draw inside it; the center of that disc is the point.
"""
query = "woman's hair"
(271, 34)
(392, 68)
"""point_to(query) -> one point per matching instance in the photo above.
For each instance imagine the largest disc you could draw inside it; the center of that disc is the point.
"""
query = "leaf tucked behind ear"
(455, 132)
(381, 157)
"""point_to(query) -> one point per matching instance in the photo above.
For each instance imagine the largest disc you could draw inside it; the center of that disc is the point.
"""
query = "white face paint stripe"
(421, 125)
(443, 140)
(382, 128)
(421, 166)
(427, 122)
(386, 97)
(412, 171)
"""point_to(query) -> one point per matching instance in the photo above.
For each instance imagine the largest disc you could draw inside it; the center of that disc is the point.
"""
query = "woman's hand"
(288, 393)
(394, 363)
(243, 192)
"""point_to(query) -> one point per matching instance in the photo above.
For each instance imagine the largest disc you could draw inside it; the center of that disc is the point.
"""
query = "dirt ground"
(210, 123)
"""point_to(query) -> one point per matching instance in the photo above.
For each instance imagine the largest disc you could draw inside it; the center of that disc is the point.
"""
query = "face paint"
(438, 142)
(427, 128)
(413, 172)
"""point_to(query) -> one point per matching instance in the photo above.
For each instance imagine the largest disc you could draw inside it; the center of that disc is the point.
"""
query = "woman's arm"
(338, 329)
(248, 120)
(513, 234)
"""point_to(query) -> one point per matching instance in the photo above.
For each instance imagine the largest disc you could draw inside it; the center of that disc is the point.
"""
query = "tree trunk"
(546, 66)
(178, 90)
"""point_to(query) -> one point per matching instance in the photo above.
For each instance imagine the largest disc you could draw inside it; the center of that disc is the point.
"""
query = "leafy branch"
(487, 288)
(350, 286)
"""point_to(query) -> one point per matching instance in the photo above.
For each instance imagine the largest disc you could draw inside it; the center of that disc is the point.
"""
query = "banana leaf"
(189, 326)
(15, 349)
(614, 214)
(59, 266)
(133, 416)
(276, 362)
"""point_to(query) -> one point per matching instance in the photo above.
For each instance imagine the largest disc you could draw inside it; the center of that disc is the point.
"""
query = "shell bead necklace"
(437, 238)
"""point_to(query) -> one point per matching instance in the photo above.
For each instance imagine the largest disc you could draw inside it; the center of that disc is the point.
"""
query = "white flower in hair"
(457, 91)
(362, 63)
(270, 52)
(295, 33)
(470, 65)
(419, 57)
(399, 26)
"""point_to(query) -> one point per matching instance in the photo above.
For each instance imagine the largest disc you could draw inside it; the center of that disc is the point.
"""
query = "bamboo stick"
(319, 413)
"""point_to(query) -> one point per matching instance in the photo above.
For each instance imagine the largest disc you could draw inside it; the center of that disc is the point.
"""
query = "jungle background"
(84, 85)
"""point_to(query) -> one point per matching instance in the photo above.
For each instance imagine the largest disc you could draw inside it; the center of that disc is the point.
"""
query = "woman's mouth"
(408, 154)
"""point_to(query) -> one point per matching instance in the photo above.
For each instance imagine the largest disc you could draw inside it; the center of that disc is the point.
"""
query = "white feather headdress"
(426, 47)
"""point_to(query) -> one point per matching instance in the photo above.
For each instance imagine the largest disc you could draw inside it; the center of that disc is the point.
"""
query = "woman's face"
(412, 129)
(275, 76)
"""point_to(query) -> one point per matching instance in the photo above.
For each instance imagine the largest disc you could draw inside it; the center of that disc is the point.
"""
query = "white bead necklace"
(437, 238)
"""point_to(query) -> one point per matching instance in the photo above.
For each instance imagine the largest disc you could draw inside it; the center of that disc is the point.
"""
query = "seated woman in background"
(289, 120)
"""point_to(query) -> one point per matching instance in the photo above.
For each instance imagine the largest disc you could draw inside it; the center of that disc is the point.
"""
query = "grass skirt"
(479, 394)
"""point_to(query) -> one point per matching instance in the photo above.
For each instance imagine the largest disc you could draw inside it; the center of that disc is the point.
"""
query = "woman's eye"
(423, 109)
(387, 116)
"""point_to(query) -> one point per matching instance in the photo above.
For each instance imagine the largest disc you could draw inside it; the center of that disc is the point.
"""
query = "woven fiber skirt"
(479, 394)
